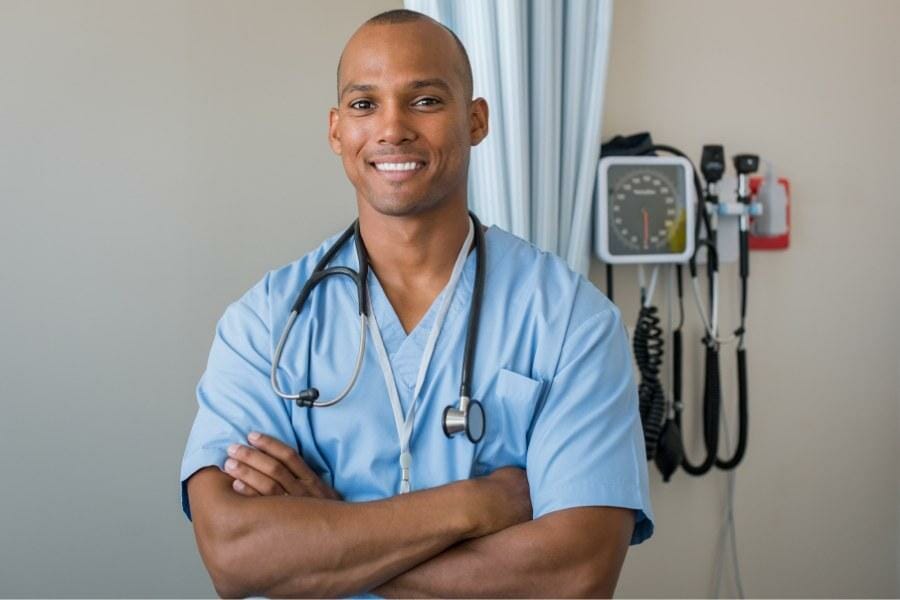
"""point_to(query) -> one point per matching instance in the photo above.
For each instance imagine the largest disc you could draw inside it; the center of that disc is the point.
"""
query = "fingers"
(243, 489)
(263, 464)
(288, 457)
(271, 468)
(259, 482)
(284, 453)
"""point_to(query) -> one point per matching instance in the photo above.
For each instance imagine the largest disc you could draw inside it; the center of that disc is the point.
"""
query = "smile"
(398, 170)
(403, 166)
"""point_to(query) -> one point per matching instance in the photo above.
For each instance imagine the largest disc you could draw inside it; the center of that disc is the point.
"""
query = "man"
(306, 502)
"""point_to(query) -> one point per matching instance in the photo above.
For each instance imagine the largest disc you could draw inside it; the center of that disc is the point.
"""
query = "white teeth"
(407, 166)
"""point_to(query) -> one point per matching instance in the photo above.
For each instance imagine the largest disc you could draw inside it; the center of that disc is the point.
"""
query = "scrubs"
(552, 368)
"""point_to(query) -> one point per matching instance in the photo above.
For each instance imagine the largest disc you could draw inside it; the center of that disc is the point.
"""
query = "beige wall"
(156, 159)
(815, 87)
(147, 149)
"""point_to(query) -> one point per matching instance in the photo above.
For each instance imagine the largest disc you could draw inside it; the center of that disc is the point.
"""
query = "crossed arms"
(287, 534)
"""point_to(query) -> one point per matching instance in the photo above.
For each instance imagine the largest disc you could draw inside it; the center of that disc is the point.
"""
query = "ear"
(334, 138)
(478, 121)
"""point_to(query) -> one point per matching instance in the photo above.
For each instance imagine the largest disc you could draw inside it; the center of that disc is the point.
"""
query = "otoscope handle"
(745, 253)
(676, 370)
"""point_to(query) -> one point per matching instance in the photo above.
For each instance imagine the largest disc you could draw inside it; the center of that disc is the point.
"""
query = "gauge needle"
(646, 226)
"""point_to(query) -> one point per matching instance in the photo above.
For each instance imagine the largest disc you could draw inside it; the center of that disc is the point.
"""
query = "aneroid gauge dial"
(645, 210)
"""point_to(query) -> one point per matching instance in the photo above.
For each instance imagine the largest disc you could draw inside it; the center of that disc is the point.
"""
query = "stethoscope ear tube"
(320, 266)
(474, 311)
(468, 415)
(363, 275)
(309, 397)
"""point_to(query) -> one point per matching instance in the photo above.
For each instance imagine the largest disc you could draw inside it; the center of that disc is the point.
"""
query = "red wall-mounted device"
(774, 242)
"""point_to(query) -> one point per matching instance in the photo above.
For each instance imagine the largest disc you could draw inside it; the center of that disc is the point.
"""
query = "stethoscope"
(468, 415)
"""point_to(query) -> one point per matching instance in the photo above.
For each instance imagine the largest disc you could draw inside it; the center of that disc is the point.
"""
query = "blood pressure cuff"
(638, 144)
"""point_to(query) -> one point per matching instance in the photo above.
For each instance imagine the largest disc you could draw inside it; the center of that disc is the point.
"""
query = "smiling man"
(371, 495)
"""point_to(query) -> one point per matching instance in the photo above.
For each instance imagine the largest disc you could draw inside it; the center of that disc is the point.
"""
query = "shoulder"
(276, 291)
(544, 281)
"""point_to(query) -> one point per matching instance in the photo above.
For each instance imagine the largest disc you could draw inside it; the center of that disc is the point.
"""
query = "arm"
(570, 553)
(585, 455)
(307, 546)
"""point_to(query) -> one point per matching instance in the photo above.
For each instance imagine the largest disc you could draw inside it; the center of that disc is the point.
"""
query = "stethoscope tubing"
(313, 402)
(309, 397)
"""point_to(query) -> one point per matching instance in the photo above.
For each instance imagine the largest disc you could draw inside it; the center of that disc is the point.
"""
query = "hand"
(271, 468)
(507, 499)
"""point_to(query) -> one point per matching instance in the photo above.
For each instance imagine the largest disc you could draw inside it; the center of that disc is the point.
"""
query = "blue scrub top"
(552, 368)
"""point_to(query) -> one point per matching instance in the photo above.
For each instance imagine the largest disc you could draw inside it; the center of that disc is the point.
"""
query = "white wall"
(147, 149)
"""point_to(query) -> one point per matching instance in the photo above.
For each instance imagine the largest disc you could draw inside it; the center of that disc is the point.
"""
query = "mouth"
(397, 169)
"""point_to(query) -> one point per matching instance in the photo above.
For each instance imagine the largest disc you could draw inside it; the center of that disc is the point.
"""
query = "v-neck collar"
(405, 350)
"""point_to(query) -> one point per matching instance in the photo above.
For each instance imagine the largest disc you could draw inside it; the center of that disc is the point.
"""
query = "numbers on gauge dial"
(643, 211)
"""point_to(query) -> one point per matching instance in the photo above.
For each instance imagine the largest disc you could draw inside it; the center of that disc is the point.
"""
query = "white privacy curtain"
(541, 66)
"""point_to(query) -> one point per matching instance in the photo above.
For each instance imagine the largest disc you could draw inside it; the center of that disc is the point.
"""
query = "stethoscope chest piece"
(468, 418)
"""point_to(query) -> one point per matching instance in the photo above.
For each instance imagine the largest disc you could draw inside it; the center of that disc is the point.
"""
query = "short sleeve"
(587, 444)
(234, 395)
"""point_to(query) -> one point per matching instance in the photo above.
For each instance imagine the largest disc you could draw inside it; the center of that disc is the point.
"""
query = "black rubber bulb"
(670, 451)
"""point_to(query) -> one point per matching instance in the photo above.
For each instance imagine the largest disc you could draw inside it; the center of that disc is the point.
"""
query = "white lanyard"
(404, 426)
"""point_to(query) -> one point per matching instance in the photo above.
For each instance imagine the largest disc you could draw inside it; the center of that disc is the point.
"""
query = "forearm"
(504, 564)
(541, 558)
(286, 546)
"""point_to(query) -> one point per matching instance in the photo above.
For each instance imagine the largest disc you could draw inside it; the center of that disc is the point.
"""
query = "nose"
(394, 126)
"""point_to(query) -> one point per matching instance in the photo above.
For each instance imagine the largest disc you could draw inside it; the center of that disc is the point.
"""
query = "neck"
(414, 250)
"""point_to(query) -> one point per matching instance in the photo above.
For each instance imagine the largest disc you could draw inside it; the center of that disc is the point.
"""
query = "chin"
(401, 207)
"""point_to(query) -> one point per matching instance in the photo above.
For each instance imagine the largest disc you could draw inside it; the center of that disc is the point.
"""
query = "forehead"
(386, 55)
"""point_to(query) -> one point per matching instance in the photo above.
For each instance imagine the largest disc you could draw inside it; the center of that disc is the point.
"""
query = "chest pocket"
(510, 406)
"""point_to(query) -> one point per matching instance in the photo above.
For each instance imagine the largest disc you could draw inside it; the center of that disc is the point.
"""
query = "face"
(403, 125)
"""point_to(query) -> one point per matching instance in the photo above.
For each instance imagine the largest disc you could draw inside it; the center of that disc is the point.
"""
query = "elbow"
(234, 584)
(593, 578)
(235, 572)
(235, 543)
(220, 541)
(228, 589)
(233, 566)
(220, 556)
(228, 576)
(593, 586)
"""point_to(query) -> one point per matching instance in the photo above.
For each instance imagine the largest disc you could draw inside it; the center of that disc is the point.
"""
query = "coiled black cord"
(670, 450)
(647, 345)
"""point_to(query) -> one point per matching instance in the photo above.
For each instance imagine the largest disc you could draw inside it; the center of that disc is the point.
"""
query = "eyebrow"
(415, 85)
(433, 82)
(356, 87)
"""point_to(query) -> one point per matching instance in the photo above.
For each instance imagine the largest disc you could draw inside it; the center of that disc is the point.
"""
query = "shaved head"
(403, 16)
(405, 120)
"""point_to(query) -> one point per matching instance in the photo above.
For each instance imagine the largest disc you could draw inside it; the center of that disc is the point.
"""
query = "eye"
(427, 102)
(361, 104)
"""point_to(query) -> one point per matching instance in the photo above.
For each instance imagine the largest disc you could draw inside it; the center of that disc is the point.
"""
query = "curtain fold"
(541, 66)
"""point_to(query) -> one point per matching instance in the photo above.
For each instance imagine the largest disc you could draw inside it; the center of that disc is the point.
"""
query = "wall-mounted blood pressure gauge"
(645, 209)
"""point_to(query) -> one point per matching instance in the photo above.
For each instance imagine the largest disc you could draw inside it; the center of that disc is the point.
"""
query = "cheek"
(352, 142)
(354, 139)
(457, 142)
